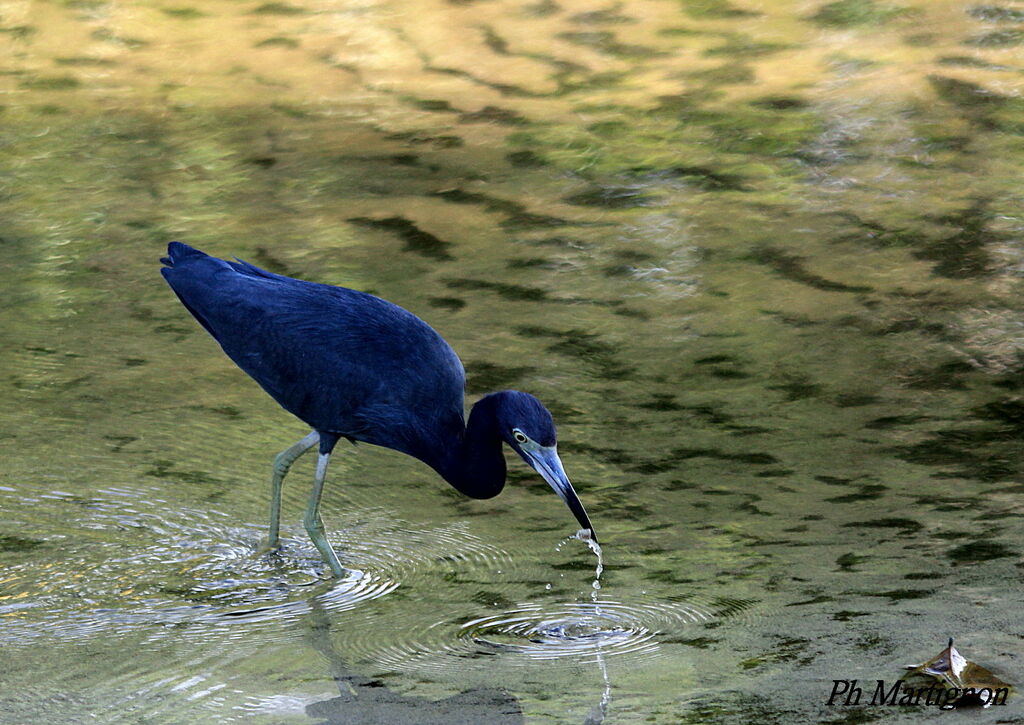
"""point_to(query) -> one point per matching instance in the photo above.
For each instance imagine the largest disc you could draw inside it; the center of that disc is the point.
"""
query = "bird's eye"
(519, 436)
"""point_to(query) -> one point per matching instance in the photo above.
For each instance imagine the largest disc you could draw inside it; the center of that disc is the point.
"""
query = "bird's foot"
(268, 546)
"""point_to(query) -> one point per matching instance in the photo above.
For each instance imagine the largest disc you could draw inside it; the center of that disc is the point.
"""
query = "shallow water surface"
(762, 260)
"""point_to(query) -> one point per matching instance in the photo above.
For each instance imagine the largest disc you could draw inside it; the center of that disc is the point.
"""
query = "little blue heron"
(351, 365)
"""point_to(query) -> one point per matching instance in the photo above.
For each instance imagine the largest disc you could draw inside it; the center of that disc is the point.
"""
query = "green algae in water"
(183, 13)
(740, 46)
(996, 13)
(85, 61)
(277, 42)
(604, 41)
(715, 9)
(997, 39)
(11, 544)
(978, 551)
(50, 83)
(19, 32)
(853, 13)
(107, 35)
(277, 8)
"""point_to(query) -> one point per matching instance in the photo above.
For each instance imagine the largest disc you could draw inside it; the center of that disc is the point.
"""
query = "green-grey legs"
(314, 524)
(282, 462)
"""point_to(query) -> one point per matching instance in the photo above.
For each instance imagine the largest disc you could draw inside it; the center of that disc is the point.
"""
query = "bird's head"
(526, 425)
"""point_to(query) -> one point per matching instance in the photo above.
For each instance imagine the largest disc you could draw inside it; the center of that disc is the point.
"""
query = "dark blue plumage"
(355, 366)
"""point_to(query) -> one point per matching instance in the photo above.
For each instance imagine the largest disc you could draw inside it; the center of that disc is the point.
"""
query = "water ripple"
(574, 632)
(571, 630)
(163, 567)
(401, 552)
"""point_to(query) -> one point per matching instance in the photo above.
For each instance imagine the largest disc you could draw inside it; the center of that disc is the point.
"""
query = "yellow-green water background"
(762, 259)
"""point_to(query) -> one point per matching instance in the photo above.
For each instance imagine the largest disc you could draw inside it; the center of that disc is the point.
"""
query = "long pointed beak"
(546, 462)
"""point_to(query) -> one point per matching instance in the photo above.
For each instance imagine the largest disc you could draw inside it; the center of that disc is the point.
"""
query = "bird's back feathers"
(344, 361)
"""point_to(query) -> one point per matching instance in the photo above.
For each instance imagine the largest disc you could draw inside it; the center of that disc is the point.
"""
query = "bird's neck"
(476, 465)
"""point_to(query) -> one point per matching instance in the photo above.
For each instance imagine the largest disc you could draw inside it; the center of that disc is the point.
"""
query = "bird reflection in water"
(366, 701)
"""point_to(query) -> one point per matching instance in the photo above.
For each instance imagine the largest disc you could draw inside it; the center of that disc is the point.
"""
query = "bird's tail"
(178, 252)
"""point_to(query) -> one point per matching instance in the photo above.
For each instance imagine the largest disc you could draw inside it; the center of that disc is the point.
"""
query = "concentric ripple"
(573, 631)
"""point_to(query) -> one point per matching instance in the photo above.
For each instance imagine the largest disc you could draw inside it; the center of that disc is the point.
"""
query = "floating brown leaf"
(964, 682)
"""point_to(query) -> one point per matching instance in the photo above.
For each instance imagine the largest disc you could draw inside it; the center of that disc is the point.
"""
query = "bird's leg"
(282, 462)
(314, 524)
